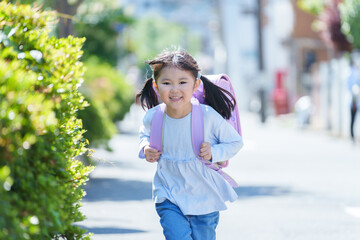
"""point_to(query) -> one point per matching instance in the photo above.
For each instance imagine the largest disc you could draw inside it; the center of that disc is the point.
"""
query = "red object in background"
(279, 94)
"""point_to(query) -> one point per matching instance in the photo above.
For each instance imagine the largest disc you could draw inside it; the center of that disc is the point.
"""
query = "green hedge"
(40, 134)
(110, 98)
(102, 29)
(100, 128)
(105, 84)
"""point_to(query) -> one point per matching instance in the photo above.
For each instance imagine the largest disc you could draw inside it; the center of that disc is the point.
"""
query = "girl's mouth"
(175, 99)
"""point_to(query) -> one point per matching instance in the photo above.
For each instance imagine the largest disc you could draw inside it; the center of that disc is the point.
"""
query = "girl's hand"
(205, 151)
(151, 154)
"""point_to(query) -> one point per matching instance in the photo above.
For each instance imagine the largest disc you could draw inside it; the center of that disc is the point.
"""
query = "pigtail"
(147, 97)
(218, 99)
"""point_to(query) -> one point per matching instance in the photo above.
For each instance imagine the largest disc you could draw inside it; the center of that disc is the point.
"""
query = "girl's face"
(176, 87)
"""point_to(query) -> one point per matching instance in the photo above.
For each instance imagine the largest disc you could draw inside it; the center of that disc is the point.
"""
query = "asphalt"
(294, 184)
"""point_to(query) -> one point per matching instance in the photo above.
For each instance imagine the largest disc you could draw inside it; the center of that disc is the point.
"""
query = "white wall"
(240, 37)
(235, 36)
(278, 29)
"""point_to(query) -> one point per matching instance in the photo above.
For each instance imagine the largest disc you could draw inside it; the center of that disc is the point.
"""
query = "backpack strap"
(157, 125)
(197, 136)
(197, 127)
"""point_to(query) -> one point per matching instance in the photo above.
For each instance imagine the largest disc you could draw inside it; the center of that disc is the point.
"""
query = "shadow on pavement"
(262, 191)
(110, 189)
(111, 230)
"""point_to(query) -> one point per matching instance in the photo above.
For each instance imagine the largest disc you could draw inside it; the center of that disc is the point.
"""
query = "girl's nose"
(174, 88)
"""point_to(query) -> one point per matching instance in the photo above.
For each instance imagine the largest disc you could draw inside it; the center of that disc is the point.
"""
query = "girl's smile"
(175, 99)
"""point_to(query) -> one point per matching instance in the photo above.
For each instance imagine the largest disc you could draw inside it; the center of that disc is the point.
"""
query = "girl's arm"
(229, 142)
(144, 140)
(224, 139)
(228, 145)
(144, 132)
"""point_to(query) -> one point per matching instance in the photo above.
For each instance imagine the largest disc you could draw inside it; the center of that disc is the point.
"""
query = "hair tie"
(198, 75)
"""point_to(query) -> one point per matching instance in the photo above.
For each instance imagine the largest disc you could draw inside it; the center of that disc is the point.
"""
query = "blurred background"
(290, 62)
(284, 57)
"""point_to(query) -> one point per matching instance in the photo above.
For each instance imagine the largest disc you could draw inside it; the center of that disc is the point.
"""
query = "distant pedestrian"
(354, 88)
(188, 195)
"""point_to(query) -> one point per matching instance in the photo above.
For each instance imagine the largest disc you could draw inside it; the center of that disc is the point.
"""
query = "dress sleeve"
(229, 142)
(144, 132)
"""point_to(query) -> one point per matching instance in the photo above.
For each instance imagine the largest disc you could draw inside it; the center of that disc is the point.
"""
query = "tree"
(350, 16)
(66, 10)
(149, 36)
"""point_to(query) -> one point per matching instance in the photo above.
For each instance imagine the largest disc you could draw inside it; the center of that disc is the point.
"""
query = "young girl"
(187, 194)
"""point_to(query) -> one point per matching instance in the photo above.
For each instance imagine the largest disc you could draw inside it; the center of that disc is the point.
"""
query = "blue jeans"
(178, 226)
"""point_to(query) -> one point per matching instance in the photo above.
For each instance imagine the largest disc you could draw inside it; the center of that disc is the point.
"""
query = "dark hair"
(219, 99)
(215, 96)
(147, 96)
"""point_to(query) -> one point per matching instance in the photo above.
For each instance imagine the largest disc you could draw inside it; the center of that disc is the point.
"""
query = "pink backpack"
(197, 124)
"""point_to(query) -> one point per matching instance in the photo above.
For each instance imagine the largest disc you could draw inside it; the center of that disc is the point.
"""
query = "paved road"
(300, 185)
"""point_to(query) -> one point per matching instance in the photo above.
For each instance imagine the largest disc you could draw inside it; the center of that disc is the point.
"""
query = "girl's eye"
(166, 83)
(183, 82)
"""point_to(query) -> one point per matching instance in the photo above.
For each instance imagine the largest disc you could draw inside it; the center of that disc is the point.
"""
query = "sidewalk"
(293, 185)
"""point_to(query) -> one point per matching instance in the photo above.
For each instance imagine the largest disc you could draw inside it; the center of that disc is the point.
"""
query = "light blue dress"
(180, 177)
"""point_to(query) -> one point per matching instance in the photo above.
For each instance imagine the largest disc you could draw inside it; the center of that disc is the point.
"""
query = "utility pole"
(260, 35)
(261, 67)
(257, 13)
